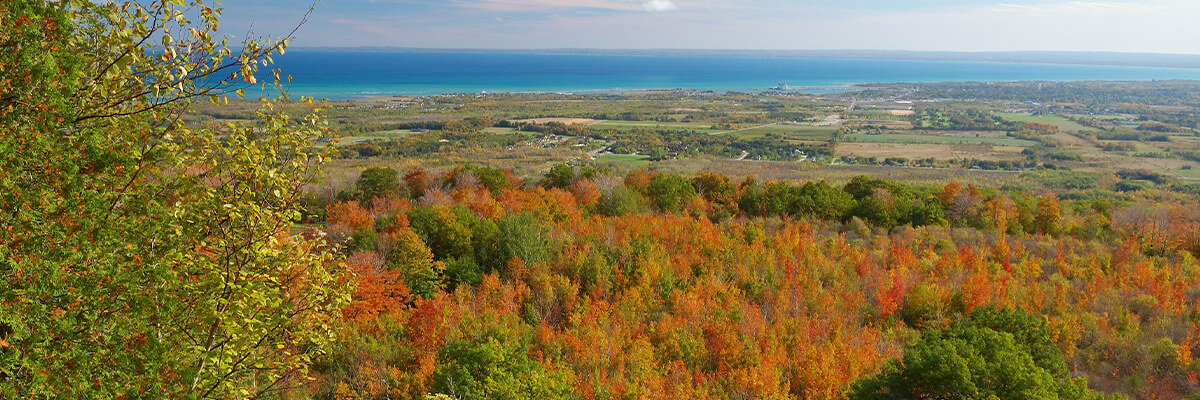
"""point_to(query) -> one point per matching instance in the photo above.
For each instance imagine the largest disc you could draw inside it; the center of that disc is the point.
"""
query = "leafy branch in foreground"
(140, 258)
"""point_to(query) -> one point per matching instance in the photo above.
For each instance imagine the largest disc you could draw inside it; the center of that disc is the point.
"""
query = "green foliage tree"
(824, 201)
(378, 182)
(753, 200)
(496, 366)
(447, 230)
(670, 192)
(618, 201)
(408, 254)
(560, 176)
(992, 354)
(139, 257)
(493, 179)
(522, 236)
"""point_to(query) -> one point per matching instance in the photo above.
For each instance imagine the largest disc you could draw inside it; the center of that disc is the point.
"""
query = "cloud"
(1072, 7)
(659, 5)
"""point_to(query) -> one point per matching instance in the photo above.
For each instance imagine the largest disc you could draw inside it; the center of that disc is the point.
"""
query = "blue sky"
(1165, 26)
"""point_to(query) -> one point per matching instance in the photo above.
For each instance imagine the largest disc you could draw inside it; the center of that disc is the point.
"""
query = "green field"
(1193, 173)
(1103, 117)
(800, 132)
(932, 139)
(1062, 123)
(877, 115)
(499, 131)
(1139, 146)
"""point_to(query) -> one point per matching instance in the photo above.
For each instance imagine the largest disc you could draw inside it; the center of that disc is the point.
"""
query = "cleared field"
(1193, 173)
(568, 121)
(499, 131)
(935, 139)
(801, 132)
(883, 114)
(934, 151)
(1062, 123)
(1139, 147)
(1190, 140)
(1103, 117)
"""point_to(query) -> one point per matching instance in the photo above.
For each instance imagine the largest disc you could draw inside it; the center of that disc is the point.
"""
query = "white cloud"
(659, 5)
(1073, 7)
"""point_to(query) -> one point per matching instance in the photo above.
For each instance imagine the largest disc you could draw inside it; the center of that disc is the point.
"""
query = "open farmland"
(1062, 123)
(885, 150)
(936, 139)
(760, 130)
(790, 131)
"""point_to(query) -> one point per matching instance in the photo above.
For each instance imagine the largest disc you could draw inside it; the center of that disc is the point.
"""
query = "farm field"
(882, 150)
(790, 131)
(567, 121)
(755, 129)
(1192, 173)
(1062, 123)
(499, 131)
(936, 139)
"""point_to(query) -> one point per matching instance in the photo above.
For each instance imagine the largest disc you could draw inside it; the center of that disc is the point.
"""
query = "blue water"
(350, 75)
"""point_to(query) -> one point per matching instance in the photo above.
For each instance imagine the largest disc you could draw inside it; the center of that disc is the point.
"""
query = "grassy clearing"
(1139, 146)
(499, 131)
(896, 115)
(1062, 123)
(932, 139)
(1102, 117)
(803, 132)
(393, 132)
(1193, 173)
(934, 151)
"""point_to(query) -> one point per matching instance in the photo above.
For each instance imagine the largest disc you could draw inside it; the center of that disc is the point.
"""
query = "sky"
(1152, 26)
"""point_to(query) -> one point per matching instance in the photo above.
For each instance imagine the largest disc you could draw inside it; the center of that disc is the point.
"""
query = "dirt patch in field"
(934, 151)
(568, 121)
(887, 123)
(903, 113)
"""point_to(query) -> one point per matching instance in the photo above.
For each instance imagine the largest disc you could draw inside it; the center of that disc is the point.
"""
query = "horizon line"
(646, 49)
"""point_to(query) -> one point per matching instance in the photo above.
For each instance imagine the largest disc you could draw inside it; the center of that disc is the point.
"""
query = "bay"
(342, 75)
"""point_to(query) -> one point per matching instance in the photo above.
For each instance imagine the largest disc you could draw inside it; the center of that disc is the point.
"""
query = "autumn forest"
(658, 286)
(165, 235)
